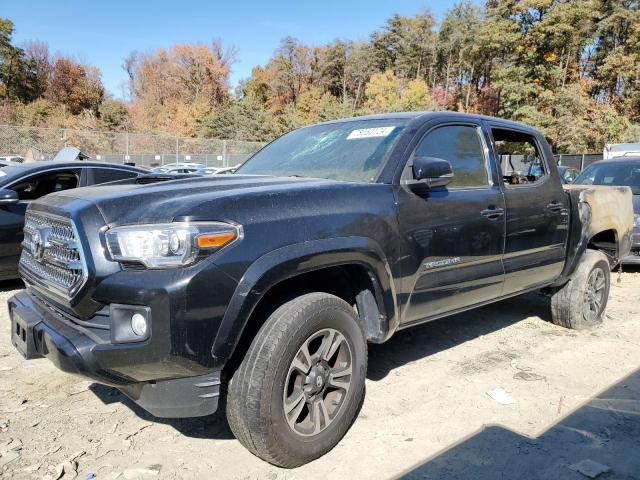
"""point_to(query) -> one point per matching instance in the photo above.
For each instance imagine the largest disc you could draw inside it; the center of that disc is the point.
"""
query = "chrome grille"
(51, 254)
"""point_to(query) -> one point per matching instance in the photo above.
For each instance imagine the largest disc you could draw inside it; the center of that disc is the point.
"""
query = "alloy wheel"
(317, 382)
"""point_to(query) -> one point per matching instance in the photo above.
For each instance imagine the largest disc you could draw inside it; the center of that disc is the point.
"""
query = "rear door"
(99, 175)
(455, 233)
(536, 208)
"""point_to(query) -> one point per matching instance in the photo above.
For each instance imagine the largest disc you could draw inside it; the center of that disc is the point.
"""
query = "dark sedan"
(619, 172)
(22, 183)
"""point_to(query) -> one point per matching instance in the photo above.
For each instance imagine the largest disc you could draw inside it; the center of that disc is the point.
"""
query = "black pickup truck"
(261, 289)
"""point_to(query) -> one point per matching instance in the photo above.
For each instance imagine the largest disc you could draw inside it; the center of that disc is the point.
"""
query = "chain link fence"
(35, 143)
(578, 160)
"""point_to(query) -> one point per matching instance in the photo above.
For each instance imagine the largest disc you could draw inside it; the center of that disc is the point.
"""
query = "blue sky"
(104, 33)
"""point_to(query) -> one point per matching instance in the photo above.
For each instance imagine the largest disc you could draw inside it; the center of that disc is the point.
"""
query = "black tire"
(256, 396)
(572, 306)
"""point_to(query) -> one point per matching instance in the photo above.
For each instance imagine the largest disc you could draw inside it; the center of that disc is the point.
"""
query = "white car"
(11, 158)
(171, 166)
(616, 150)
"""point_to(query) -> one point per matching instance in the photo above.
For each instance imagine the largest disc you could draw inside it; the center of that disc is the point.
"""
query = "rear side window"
(519, 156)
(104, 175)
(461, 146)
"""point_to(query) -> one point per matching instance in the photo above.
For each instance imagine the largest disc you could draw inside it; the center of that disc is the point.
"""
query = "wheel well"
(607, 242)
(352, 282)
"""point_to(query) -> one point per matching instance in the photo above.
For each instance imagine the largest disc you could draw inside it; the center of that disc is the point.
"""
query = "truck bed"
(597, 213)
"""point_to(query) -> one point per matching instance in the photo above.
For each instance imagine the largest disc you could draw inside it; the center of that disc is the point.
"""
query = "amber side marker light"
(215, 240)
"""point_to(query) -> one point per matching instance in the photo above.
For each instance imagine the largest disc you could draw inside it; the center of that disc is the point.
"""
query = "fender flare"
(291, 260)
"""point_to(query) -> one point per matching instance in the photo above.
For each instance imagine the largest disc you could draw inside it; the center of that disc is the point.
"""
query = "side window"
(570, 175)
(104, 175)
(520, 159)
(461, 146)
(39, 185)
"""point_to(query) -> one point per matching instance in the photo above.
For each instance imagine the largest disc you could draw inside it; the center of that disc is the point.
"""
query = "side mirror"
(432, 171)
(8, 196)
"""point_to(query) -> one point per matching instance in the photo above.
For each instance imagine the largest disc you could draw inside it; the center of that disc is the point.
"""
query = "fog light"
(139, 324)
(130, 323)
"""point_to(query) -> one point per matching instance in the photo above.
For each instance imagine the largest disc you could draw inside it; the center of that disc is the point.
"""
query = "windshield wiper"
(305, 176)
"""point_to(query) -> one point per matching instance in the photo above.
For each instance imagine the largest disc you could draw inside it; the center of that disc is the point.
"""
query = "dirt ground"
(427, 413)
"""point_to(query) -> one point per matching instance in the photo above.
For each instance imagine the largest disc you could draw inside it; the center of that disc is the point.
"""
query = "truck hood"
(200, 198)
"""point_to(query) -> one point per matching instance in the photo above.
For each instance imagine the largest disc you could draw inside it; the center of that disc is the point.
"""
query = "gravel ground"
(427, 413)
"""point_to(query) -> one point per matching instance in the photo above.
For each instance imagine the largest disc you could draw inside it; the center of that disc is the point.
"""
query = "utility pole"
(224, 153)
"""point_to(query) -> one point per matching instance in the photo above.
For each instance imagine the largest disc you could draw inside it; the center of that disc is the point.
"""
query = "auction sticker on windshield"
(370, 132)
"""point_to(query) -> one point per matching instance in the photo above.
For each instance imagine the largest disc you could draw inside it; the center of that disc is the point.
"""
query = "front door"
(455, 234)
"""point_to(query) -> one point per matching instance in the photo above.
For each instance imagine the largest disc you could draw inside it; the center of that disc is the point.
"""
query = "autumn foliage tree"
(173, 90)
(568, 67)
(75, 86)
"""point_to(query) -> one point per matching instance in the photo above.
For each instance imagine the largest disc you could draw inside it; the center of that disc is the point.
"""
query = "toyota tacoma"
(260, 290)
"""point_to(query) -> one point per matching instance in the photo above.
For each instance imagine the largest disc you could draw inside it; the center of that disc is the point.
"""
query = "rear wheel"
(301, 383)
(582, 301)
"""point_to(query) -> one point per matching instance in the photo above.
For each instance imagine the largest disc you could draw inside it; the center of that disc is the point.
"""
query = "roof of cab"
(425, 116)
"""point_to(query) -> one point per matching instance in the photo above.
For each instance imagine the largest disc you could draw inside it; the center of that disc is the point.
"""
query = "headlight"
(169, 244)
(636, 220)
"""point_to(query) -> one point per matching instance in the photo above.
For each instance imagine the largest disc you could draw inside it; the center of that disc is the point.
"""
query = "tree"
(568, 67)
(292, 71)
(37, 55)
(245, 119)
(457, 55)
(333, 69)
(18, 80)
(113, 115)
(387, 93)
(616, 59)
(406, 45)
(358, 69)
(76, 86)
(174, 90)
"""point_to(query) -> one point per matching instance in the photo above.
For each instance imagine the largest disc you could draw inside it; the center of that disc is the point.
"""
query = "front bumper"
(37, 331)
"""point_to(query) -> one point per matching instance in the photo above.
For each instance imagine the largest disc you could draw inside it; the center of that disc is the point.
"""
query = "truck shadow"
(211, 427)
(406, 346)
(433, 337)
(605, 430)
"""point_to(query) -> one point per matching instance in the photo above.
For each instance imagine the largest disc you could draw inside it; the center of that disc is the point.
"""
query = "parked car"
(176, 170)
(619, 171)
(20, 184)
(171, 166)
(567, 174)
(620, 150)
(12, 158)
(266, 286)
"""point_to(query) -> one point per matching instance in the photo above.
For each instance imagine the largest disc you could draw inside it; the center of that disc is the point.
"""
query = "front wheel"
(582, 301)
(301, 383)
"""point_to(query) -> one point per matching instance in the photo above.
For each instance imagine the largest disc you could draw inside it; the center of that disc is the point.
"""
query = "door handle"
(492, 213)
(555, 207)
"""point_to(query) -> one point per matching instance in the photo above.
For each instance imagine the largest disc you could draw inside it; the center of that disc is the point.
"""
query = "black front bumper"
(37, 331)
